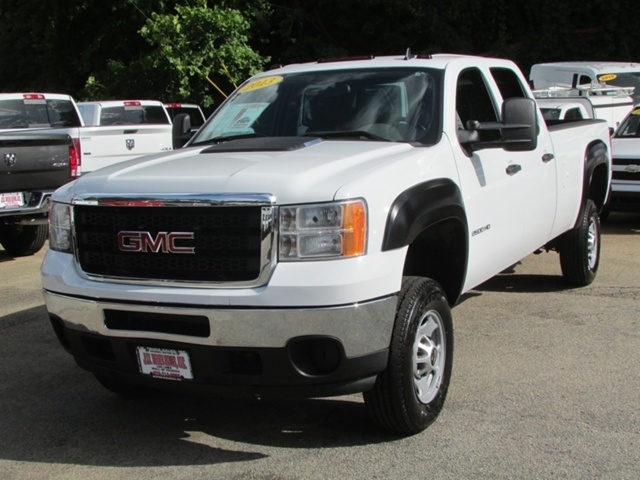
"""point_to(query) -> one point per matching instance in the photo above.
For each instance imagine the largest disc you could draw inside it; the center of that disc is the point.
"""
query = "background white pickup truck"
(312, 236)
(585, 73)
(196, 120)
(586, 101)
(119, 130)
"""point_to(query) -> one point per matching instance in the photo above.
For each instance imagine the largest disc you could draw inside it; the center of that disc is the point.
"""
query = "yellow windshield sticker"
(636, 112)
(261, 83)
(608, 77)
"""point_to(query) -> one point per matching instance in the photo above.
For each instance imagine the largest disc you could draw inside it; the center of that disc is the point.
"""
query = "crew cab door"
(510, 195)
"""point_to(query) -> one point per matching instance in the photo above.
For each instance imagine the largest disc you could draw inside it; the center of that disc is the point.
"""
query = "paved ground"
(546, 384)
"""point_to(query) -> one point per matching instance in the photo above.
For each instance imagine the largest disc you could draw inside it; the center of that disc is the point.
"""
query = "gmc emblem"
(165, 242)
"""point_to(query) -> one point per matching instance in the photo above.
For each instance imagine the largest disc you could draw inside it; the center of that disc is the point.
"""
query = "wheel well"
(440, 253)
(598, 163)
(598, 186)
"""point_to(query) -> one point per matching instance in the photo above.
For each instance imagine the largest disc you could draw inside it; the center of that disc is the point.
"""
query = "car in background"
(38, 110)
(196, 119)
(120, 130)
(576, 74)
(193, 110)
(625, 179)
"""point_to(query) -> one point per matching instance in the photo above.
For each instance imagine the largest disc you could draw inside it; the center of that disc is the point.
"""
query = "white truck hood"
(309, 173)
(625, 147)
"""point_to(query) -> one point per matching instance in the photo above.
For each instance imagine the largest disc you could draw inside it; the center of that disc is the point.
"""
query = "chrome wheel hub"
(592, 243)
(429, 356)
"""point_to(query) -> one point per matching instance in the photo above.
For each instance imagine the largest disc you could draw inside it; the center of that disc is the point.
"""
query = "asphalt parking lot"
(546, 384)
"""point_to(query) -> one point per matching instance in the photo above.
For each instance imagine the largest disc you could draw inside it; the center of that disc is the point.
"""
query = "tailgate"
(103, 146)
(34, 162)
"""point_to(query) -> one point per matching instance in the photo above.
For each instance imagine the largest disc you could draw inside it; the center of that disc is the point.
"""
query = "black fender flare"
(418, 208)
(596, 154)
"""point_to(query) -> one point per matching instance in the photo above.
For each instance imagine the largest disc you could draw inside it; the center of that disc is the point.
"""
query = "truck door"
(539, 174)
(503, 206)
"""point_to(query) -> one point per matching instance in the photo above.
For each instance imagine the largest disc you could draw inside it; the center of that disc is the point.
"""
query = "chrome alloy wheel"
(592, 242)
(429, 356)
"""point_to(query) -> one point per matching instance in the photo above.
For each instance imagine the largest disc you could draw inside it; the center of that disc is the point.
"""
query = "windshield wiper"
(227, 138)
(347, 134)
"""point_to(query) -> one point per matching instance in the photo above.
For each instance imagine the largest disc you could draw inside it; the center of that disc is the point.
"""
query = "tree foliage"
(166, 49)
(202, 48)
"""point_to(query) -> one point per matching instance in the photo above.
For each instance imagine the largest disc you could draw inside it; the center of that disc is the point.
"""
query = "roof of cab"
(120, 103)
(437, 61)
(33, 95)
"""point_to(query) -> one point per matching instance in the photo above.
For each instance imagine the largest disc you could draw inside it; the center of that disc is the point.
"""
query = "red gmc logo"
(165, 242)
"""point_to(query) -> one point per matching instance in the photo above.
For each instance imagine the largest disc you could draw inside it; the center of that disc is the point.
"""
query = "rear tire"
(580, 248)
(408, 396)
(23, 240)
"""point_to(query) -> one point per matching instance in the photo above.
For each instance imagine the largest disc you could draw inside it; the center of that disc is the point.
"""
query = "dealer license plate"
(11, 200)
(164, 363)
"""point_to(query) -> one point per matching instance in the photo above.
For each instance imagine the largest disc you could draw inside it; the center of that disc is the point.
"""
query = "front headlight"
(60, 227)
(323, 231)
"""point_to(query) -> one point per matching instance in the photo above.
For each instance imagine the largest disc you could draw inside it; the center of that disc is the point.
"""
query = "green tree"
(203, 52)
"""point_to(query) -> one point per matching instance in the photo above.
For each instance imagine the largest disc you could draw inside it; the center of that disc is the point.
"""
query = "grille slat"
(227, 242)
(629, 176)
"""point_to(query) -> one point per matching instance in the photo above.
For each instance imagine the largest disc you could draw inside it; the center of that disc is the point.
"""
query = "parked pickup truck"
(584, 73)
(50, 112)
(119, 130)
(33, 165)
(196, 117)
(609, 103)
(625, 182)
(313, 235)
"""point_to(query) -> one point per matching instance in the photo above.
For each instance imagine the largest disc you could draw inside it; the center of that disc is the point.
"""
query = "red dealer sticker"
(164, 363)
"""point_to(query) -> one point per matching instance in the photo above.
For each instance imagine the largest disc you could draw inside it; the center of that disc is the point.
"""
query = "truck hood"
(625, 147)
(293, 169)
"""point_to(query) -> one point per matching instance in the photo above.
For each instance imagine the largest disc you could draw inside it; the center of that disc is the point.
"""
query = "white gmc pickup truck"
(313, 235)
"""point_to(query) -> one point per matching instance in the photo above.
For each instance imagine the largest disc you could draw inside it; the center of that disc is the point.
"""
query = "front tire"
(580, 248)
(408, 396)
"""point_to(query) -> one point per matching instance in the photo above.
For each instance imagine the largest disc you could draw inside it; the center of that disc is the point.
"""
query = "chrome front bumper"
(361, 328)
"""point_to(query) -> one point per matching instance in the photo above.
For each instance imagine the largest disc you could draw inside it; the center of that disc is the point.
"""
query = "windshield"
(399, 105)
(630, 126)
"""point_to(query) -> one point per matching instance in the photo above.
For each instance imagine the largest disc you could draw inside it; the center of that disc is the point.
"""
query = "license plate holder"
(164, 363)
(12, 200)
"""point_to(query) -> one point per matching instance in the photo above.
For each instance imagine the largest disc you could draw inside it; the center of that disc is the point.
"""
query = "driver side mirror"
(518, 129)
(520, 124)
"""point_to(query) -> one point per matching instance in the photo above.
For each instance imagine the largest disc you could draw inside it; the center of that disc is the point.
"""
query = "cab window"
(508, 83)
(474, 102)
